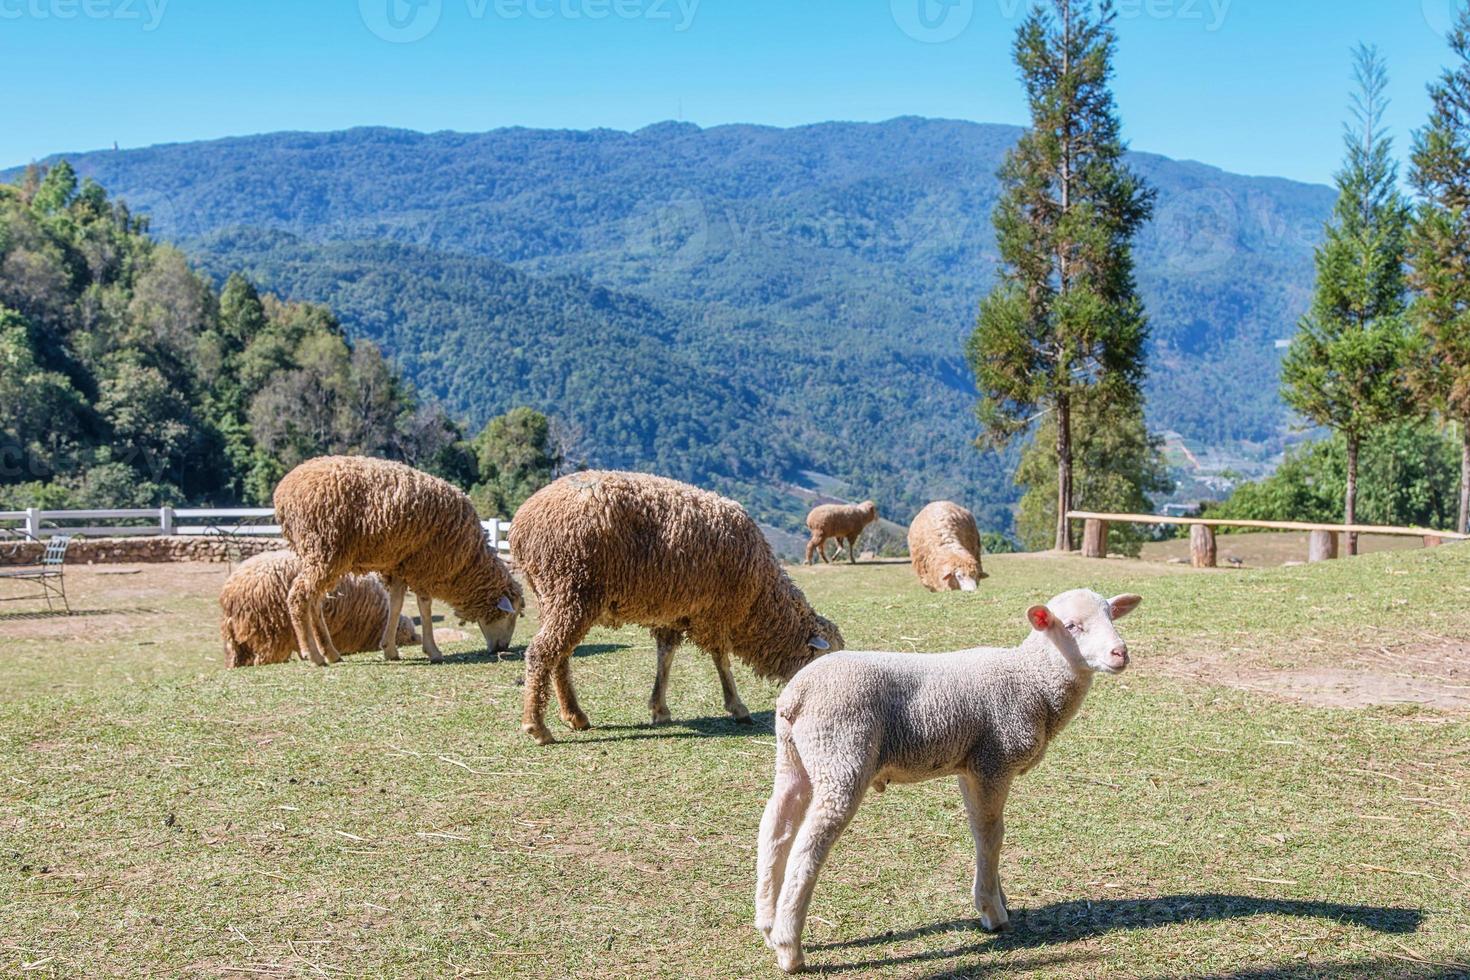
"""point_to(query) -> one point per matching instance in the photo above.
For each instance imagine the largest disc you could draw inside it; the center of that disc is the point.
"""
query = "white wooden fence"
(189, 521)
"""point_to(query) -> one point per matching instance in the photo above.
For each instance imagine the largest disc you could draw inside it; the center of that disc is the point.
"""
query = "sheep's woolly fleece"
(615, 548)
(256, 626)
(841, 520)
(944, 540)
(358, 514)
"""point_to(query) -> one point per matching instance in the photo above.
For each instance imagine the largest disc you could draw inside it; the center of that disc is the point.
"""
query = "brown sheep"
(840, 523)
(346, 514)
(944, 543)
(256, 626)
(604, 548)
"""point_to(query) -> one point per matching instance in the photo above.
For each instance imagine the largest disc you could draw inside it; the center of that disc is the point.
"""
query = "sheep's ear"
(505, 605)
(818, 643)
(1122, 605)
(1040, 617)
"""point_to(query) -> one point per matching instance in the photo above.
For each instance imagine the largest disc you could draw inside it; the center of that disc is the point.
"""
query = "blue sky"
(1255, 86)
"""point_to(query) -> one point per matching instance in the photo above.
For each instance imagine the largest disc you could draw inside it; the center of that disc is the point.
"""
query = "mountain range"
(775, 312)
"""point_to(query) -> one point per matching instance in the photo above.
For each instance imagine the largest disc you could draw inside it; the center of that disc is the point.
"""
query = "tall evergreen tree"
(1439, 252)
(1345, 368)
(1065, 321)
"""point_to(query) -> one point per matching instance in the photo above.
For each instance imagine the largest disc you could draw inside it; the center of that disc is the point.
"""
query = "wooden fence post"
(1202, 546)
(1095, 539)
(1323, 546)
(33, 522)
(166, 520)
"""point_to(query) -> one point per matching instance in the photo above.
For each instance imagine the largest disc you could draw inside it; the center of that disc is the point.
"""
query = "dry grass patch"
(160, 816)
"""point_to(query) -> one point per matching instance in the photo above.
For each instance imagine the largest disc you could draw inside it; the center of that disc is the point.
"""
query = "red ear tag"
(1040, 618)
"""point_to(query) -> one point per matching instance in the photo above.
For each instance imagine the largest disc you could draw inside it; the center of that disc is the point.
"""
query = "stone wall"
(143, 550)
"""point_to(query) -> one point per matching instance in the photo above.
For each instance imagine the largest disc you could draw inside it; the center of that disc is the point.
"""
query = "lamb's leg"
(426, 616)
(561, 630)
(667, 644)
(811, 547)
(733, 704)
(302, 600)
(566, 698)
(822, 550)
(985, 804)
(828, 814)
(787, 806)
(397, 588)
(852, 550)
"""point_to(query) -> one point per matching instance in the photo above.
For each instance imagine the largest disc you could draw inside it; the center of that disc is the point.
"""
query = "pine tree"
(1118, 467)
(1345, 368)
(1439, 252)
(1065, 321)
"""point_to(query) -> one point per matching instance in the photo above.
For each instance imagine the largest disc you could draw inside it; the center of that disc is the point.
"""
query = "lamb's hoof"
(744, 719)
(790, 960)
(577, 723)
(390, 655)
(539, 733)
(999, 923)
(662, 717)
(493, 657)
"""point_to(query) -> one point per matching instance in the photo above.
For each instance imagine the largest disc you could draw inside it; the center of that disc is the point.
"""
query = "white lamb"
(852, 720)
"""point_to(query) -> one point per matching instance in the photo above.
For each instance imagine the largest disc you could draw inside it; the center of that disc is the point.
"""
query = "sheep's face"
(964, 577)
(826, 637)
(407, 635)
(1080, 624)
(500, 625)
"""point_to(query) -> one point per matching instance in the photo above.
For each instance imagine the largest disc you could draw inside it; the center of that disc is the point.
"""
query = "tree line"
(128, 380)
(1382, 358)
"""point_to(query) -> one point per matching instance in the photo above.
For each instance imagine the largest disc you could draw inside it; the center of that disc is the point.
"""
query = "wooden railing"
(188, 521)
(1322, 544)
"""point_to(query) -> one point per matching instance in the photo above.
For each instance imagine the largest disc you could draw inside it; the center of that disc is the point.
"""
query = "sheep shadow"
(722, 726)
(481, 655)
(1073, 921)
(1374, 969)
(43, 614)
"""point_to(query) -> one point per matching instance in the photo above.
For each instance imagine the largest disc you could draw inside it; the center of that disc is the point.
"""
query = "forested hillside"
(126, 379)
(637, 384)
(805, 291)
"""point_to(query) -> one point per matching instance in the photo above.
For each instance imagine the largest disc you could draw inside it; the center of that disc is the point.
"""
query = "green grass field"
(160, 816)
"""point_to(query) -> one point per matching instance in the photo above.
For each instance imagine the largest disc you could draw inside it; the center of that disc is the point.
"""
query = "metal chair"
(49, 576)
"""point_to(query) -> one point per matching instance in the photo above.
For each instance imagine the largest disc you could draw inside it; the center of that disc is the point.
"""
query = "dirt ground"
(1432, 674)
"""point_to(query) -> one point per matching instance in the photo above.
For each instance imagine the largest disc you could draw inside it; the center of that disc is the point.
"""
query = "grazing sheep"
(854, 720)
(606, 548)
(840, 523)
(256, 626)
(944, 544)
(346, 514)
